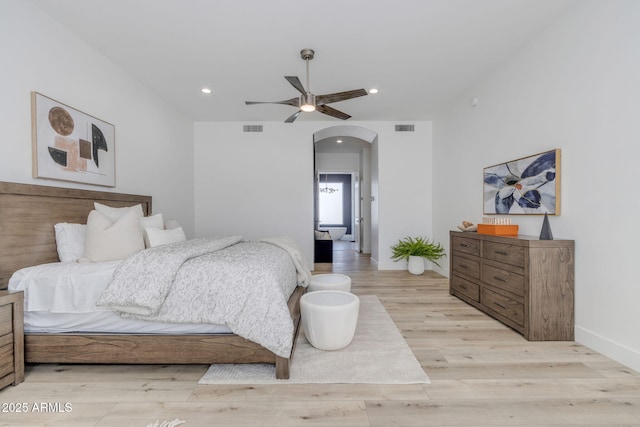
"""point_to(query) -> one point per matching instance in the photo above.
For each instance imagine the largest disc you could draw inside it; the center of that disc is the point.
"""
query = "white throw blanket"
(292, 248)
(245, 285)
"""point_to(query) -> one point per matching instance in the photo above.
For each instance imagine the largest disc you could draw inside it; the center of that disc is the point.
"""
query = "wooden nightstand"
(11, 338)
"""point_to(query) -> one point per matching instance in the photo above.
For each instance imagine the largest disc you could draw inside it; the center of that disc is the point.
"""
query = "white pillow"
(70, 241)
(171, 224)
(110, 241)
(153, 221)
(158, 236)
(115, 214)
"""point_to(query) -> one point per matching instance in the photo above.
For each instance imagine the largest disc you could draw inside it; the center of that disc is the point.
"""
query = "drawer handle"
(501, 253)
(500, 279)
(464, 245)
(500, 305)
(463, 266)
(463, 287)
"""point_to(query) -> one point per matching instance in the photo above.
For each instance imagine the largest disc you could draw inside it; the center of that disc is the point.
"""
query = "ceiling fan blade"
(330, 111)
(295, 102)
(293, 117)
(295, 82)
(339, 96)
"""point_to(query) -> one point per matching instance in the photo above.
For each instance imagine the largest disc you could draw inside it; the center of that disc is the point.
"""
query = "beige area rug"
(378, 354)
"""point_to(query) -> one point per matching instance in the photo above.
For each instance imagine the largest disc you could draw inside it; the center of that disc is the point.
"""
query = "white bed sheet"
(63, 287)
(60, 297)
(109, 322)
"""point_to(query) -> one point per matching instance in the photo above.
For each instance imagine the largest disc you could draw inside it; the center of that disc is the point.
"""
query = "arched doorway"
(341, 151)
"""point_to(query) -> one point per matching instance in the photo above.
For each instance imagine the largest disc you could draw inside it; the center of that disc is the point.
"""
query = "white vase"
(416, 264)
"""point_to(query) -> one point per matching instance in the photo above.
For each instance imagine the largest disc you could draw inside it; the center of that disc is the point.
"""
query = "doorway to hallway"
(350, 151)
(336, 205)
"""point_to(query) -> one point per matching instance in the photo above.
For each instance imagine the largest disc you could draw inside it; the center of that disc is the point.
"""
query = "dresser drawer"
(6, 319)
(465, 287)
(507, 307)
(501, 252)
(464, 245)
(466, 266)
(503, 279)
(6, 359)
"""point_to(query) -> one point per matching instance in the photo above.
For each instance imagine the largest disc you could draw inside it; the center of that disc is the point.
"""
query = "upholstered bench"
(329, 282)
(329, 318)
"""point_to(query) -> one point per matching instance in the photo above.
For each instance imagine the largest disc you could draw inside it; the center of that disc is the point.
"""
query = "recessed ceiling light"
(339, 141)
(374, 90)
(205, 90)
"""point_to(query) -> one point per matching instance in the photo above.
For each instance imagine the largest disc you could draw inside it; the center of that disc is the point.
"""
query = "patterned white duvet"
(245, 285)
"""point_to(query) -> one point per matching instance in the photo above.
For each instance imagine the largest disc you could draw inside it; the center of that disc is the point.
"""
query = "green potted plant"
(415, 250)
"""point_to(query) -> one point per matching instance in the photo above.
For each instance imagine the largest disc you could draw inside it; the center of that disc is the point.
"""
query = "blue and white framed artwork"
(530, 185)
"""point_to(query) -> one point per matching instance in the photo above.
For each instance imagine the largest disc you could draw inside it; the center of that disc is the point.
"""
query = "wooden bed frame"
(27, 216)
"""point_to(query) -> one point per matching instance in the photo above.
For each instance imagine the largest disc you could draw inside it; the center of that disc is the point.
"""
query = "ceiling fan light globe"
(308, 102)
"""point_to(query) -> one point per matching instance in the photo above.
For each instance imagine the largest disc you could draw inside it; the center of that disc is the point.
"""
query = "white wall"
(404, 189)
(154, 148)
(261, 184)
(575, 87)
(254, 184)
(338, 162)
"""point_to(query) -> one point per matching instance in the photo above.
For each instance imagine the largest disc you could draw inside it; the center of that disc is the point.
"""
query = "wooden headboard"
(29, 212)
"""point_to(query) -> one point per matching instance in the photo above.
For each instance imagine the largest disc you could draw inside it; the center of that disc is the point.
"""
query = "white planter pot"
(416, 265)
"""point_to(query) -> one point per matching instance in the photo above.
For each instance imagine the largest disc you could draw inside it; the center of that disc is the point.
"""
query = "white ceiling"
(418, 53)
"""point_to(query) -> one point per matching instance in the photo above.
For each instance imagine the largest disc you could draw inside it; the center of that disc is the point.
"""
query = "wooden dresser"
(11, 338)
(524, 282)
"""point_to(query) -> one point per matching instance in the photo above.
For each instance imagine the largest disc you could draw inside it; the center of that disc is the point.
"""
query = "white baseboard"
(618, 352)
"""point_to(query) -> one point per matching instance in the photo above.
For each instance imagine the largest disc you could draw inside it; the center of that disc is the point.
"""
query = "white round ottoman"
(329, 318)
(329, 282)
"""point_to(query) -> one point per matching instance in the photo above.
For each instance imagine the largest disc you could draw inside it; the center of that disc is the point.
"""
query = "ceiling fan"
(307, 101)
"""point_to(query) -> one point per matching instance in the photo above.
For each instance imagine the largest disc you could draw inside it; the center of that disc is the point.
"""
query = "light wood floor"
(482, 374)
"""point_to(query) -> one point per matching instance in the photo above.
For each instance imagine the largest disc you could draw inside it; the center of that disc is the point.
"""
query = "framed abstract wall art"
(70, 145)
(530, 185)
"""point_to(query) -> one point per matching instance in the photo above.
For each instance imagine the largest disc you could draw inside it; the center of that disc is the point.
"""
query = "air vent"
(405, 128)
(252, 128)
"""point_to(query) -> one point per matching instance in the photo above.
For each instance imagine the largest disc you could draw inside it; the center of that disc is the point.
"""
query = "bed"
(28, 214)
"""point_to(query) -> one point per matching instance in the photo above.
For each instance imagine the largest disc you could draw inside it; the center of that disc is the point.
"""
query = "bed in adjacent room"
(232, 301)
